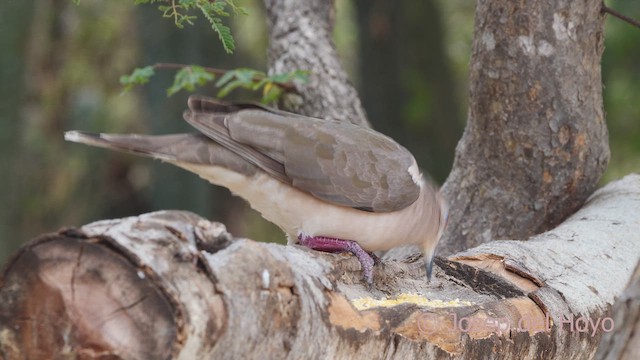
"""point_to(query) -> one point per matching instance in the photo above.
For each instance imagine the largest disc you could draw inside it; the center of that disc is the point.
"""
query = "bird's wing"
(337, 162)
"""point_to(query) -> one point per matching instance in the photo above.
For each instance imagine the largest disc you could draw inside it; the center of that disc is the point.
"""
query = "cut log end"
(66, 295)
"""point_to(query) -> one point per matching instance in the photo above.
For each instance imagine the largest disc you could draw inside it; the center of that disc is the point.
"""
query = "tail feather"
(158, 147)
(179, 149)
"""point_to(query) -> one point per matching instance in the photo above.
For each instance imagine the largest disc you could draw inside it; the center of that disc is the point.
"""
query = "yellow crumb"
(368, 303)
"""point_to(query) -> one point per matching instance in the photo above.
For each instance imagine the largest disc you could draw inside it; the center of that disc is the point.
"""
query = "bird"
(330, 185)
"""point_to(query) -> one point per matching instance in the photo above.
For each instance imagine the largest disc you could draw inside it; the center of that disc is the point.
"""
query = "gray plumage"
(309, 176)
(337, 162)
(334, 161)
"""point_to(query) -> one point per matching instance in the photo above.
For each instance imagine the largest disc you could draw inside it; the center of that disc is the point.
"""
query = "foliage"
(272, 86)
(139, 76)
(191, 76)
(182, 11)
(188, 78)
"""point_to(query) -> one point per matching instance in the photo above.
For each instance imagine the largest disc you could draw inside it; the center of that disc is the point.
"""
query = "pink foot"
(332, 245)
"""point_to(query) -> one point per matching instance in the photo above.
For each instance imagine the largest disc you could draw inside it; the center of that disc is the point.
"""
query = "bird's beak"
(428, 263)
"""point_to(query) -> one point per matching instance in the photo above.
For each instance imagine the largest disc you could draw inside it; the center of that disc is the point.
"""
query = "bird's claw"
(367, 260)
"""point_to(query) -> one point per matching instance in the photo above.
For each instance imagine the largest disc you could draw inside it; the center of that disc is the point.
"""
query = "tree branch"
(620, 16)
(289, 87)
(251, 298)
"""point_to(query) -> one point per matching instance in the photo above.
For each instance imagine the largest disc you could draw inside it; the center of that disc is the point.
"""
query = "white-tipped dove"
(332, 186)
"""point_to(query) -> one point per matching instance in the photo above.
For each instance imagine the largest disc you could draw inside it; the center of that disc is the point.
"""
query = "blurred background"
(60, 65)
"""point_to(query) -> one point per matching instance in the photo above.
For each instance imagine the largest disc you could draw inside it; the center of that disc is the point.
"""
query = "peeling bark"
(243, 299)
(536, 142)
(624, 341)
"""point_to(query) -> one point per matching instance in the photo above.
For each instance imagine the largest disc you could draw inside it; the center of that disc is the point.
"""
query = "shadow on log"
(173, 285)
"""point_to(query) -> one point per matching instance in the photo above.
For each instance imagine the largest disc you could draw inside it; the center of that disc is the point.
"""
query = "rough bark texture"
(172, 285)
(624, 341)
(301, 38)
(536, 141)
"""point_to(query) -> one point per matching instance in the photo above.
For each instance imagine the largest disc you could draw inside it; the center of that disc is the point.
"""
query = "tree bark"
(301, 38)
(536, 140)
(623, 343)
(172, 285)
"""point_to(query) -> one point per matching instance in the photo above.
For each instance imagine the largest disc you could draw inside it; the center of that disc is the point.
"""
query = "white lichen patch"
(488, 40)
(416, 299)
(526, 43)
(562, 28)
(528, 46)
(545, 49)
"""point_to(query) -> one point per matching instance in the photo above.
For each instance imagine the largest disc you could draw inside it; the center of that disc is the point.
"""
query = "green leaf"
(217, 7)
(243, 77)
(139, 76)
(189, 4)
(260, 84)
(248, 75)
(300, 75)
(230, 87)
(224, 32)
(271, 94)
(237, 10)
(212, 10)
(188, 78)
(254, 80)
(226, 78)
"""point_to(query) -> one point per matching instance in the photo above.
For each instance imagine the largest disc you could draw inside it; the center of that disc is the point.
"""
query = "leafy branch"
(188, 77)
(181, 11)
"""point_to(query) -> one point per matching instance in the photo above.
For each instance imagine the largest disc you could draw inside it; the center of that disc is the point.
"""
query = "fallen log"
(172, 285)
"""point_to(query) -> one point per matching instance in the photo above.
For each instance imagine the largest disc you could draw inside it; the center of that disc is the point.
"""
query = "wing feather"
(334, 161)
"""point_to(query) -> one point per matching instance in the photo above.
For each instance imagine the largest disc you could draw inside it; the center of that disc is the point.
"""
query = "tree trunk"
(172, 285)
(536, 141)
(301, 38)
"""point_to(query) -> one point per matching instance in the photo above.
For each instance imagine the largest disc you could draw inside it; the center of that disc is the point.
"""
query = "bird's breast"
(298, 212)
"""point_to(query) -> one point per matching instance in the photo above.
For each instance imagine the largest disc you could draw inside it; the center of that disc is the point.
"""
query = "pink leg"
(328, 244)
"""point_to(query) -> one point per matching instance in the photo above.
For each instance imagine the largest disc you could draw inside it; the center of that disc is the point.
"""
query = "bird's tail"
(165, 147)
